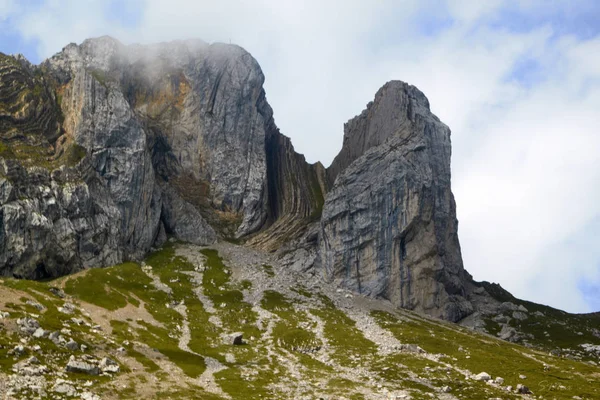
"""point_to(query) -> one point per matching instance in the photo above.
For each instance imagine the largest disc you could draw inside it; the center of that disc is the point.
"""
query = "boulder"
(482, 376)
(81, 367)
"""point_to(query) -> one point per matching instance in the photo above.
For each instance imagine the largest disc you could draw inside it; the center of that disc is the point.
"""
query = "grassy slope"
(285, 352)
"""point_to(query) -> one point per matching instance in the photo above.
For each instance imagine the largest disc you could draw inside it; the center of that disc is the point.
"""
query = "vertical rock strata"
(389, 223)
(107, 149)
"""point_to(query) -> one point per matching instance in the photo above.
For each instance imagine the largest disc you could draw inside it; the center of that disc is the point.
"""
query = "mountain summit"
(109, 149)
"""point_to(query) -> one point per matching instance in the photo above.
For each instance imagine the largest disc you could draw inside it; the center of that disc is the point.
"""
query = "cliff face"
(107, 149)
(389, 223)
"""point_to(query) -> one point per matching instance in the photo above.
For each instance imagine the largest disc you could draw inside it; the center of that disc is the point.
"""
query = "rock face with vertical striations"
(107, 149)
(389, 225)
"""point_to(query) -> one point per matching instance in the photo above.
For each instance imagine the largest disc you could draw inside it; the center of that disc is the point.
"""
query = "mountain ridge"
(185, 127)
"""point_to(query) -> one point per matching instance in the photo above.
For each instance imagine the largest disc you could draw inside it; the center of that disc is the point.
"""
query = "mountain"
(168, 155)
(110, 148)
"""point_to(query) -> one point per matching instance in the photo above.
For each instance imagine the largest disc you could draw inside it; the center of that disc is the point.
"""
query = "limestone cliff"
(389, 223)
(107, 149)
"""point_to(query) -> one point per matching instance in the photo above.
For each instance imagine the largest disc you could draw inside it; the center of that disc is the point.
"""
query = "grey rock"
(40, 333)
(28, 325)
(184, 221)
(236, 338)
(482, 376)
(57, 292)
(501, 319)
(72, 345)
(89, 396)
(67, 308)
(522, 389)
(35, 305)
(108, 365)
(389, 225)
(178, 139)
(411, 348)
(508, 306)
(32, 360)
(19, 350)
(64, 388)
(82, 367)
(519, 315)
(522, 308)
(508, 333)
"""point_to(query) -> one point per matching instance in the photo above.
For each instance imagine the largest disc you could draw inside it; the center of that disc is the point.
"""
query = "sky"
(518, 83)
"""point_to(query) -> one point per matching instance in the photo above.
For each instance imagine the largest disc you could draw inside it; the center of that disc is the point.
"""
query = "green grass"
(110, 288)
(349, 344)
(121, 333)
(496, 357)
(257, 368)
(269, 270)
(234, 312)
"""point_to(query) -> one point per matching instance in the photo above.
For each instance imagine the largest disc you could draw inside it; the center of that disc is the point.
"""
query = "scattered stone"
(32, 360)
(499, 380)
(108, 365)
(40, 333)
(482, 376)
(236, 338)
(590, 348)
(522, 377)
(63, 387)
(412, 348)
(89, 396)
(35, 305)
(54, 336)
(4, 314)
(72, 345)
(446, 389)
(67, 308)
(522, 389)
(81, 367)
(519, 315)
(28, 325)
(57, 292)
(19, 350)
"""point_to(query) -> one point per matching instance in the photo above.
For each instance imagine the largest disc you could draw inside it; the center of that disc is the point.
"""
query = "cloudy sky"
(518, 82)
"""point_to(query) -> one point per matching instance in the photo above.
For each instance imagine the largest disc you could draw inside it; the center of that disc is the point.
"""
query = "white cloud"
(6, 8)
(525, 156)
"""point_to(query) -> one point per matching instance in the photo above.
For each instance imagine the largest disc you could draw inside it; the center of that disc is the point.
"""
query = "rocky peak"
(393, 112)
(389, 225)
(178, 139)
